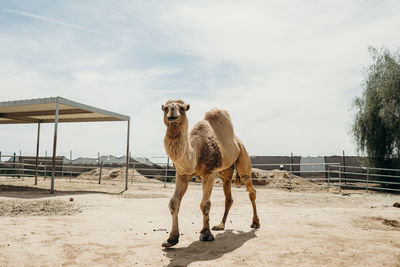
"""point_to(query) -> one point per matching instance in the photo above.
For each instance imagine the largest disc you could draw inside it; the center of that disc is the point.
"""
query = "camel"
(209, 149)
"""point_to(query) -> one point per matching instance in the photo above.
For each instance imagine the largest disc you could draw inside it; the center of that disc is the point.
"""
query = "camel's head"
(174, 111)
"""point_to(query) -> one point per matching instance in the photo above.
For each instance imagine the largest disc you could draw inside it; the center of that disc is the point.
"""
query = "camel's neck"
(176, 141)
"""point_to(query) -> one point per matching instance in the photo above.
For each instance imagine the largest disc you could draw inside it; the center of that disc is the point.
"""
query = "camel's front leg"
(174, 204)
(205, 233)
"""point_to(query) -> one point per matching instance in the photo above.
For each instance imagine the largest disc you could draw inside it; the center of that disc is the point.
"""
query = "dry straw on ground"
(47, 207)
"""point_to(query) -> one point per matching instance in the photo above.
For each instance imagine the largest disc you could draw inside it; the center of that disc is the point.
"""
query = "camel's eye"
(182, 108)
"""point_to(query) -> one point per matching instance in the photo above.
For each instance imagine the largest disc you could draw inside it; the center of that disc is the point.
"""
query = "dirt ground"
(84, 223)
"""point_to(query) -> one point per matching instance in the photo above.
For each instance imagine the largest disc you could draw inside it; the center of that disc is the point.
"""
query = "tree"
(376, 125)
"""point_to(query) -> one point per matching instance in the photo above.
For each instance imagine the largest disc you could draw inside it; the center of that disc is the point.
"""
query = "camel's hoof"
(206, 237)
(219, 227)
(255, 225)
(170, 242)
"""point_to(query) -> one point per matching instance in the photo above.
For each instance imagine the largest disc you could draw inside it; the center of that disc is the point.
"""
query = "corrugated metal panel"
(312, 164)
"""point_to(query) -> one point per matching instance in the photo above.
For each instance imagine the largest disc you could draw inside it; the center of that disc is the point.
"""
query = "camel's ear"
(187, 107)
(162, 107)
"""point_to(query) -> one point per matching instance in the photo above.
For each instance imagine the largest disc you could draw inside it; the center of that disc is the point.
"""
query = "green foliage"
(376, 126)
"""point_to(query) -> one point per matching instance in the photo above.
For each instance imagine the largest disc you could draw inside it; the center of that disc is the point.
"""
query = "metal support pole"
(367, 178)
(37, 153)
(166, 173)
(127, 154)
(340, 179)
(53, 172)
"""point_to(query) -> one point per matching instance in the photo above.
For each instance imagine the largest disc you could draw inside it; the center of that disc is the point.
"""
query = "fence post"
(45, 169)
(367, 178)
(329, 177)
(290, 176)
(19, 168)
(101, 169)
(133, 170)
(344, 168)
(340, 179)
(70, 165)
(166, 173)
(20, 165)
(13, 161)
(23, 168)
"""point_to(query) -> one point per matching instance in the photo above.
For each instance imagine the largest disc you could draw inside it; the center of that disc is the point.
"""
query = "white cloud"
(287, 71)
(52, 20)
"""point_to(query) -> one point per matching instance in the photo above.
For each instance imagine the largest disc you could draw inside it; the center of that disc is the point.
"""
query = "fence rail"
(310, 175)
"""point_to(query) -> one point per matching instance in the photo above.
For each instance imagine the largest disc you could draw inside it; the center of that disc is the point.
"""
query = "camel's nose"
(173, 114)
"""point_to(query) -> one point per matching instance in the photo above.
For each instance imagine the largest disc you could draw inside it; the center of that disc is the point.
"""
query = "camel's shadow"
(205, 251)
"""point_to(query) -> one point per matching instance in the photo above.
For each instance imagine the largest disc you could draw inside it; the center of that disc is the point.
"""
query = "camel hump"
(219, 116)
(220, 121)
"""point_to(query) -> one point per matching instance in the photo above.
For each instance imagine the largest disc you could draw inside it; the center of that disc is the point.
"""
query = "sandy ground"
(108, 228)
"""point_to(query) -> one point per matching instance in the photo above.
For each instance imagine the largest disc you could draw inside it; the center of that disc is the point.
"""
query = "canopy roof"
(43, 110)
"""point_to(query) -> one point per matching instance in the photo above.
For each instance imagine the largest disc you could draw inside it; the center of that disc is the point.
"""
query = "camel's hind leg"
(243, 167)
(226, 176)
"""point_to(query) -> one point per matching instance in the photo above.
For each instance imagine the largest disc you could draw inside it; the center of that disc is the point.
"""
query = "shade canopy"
(43, 110)
(56, 110)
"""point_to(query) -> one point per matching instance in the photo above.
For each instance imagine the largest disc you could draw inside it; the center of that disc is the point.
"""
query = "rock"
(114, 174)
(396, 205)
(260, 182)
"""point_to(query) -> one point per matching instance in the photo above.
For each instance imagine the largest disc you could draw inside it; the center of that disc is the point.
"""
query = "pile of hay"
(12, 208)
(260, 176)
(279, 178)
(115, 173)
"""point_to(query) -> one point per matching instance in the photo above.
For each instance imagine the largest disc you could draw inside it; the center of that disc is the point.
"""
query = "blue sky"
(287, 71)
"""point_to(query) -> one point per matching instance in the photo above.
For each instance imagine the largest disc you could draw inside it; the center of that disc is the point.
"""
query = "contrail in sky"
(51, 20)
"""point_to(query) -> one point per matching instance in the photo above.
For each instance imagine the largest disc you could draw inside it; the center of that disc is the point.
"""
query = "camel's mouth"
(172, 118)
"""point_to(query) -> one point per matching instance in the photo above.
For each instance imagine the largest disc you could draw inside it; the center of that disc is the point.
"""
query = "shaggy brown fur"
(210, 148)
